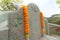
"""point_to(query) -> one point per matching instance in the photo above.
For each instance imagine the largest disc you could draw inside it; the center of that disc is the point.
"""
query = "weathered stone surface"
(34, 21)
(16, 24)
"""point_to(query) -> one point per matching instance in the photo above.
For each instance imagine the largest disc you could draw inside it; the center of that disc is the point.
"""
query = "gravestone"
(34, 18)
(16, 24)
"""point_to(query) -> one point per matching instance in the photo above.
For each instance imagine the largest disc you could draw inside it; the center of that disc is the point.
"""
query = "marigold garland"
(26, 21)
(43, 31)
(42, 19)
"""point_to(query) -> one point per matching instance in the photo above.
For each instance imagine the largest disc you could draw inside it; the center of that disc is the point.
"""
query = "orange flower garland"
(42, 19)
(26, 21)
(42, 23)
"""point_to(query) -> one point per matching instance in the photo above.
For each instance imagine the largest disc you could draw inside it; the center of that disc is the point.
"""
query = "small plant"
(18, 21)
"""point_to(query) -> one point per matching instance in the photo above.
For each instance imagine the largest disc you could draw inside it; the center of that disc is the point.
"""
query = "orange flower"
(42, 19)
(26, 23)
(42, 24)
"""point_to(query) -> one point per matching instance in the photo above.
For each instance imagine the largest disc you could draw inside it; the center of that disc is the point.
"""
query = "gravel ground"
(46, 37)
(58, 36)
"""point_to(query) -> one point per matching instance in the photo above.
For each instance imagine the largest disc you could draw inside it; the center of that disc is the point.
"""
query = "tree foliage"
(6, 5)
(58, 1)
(54, 19)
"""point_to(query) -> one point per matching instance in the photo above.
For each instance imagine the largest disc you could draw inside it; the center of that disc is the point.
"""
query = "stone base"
(4, 35)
